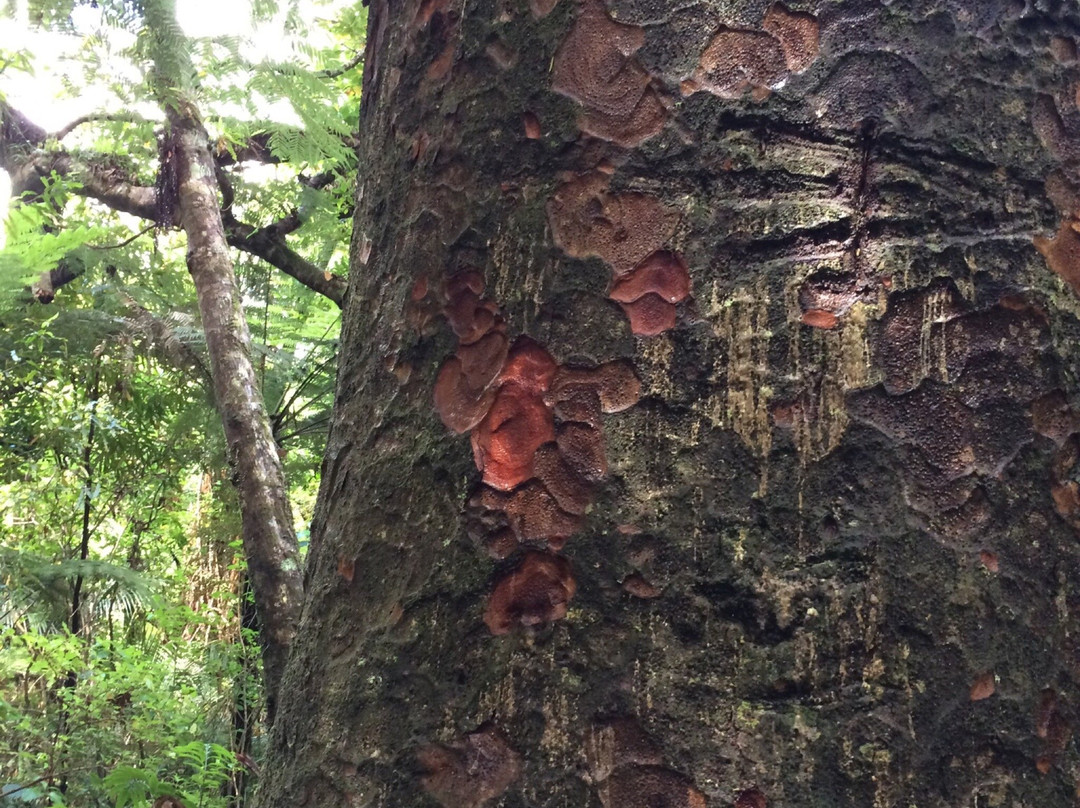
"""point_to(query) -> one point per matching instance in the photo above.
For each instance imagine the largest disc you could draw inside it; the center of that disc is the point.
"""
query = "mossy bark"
(832, 558)
(271, 549)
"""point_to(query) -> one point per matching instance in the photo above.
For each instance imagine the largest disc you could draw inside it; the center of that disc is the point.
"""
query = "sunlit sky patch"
(47, 98)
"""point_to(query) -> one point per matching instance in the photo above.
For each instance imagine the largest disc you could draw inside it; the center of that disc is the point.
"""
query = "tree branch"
(98, 182)
(17, 131)
(28, 165)
(123, 243)
(255, 149)
(268, 244)
(345, 68)
(164, 341)
(127, 117)
(44, 289)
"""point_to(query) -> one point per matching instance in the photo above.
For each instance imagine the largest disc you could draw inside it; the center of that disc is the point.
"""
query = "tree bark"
(270, 544)
(771, 496)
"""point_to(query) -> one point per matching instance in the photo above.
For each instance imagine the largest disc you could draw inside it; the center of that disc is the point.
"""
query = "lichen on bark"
(826, 563)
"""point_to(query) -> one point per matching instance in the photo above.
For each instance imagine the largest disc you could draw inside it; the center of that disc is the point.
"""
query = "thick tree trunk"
(270, 545)
(776, 505)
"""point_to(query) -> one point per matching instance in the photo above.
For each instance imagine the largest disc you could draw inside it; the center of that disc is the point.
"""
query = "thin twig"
(345, 68)
(123, 243)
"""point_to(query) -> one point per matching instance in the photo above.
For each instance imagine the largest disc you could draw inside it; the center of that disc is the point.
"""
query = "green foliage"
(108, 437)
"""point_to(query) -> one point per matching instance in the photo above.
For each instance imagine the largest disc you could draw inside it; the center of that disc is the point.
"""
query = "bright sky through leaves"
(58, 62)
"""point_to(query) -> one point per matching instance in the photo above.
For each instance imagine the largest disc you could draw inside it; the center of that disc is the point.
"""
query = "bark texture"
(270, 544)
(775, 503)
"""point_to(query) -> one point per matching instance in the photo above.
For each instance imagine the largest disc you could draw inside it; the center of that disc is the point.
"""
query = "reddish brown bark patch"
(427, 10)
(627, 231)
(635, 584)
(463, 389)
(622, 229)
(529, 366)
(649, 786)
(1063, 49)
(570, 490)
(663, 273)
(440, 67)
(471, 771)
(1062, 252)
(1052, 727)
(1052, 416)
(898, 350)
(1045, 711)
(1050, 129)
(1063, 487)
(627, 767)
(541, 8)
(536, 592)
(594, 66)
(535, 516)
(578, 403)
(616, 385)
(751, 798)
(819, 318)
(983, 687)
(832, 292)
(460, 406)
(618, 742)
(500, 54)
(505, 441)
(501, 544)
(958, 389)
(1062, 192)
(650, 315)
(536, 482)
(738, 60)
(532, 126)
(482, 360)
(468, 315)
(797, 32)
(582, 447)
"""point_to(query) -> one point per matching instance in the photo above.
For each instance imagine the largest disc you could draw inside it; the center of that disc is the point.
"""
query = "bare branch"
(269, 245)
(127, 117)
(123, 243)
(109, 185)
(44, 288)
(345, 68)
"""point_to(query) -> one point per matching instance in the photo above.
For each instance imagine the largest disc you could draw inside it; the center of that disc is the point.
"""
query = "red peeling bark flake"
(627, 231)
(595, 67)
(534, 430)
(1062, 252)
(471, 770)
(536, 592)
(738, 60)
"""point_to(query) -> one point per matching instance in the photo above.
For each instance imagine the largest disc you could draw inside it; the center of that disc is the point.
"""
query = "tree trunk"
(770, 492)
(270, 544)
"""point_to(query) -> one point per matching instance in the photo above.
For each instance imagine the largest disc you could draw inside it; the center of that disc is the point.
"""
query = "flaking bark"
(830, 559)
